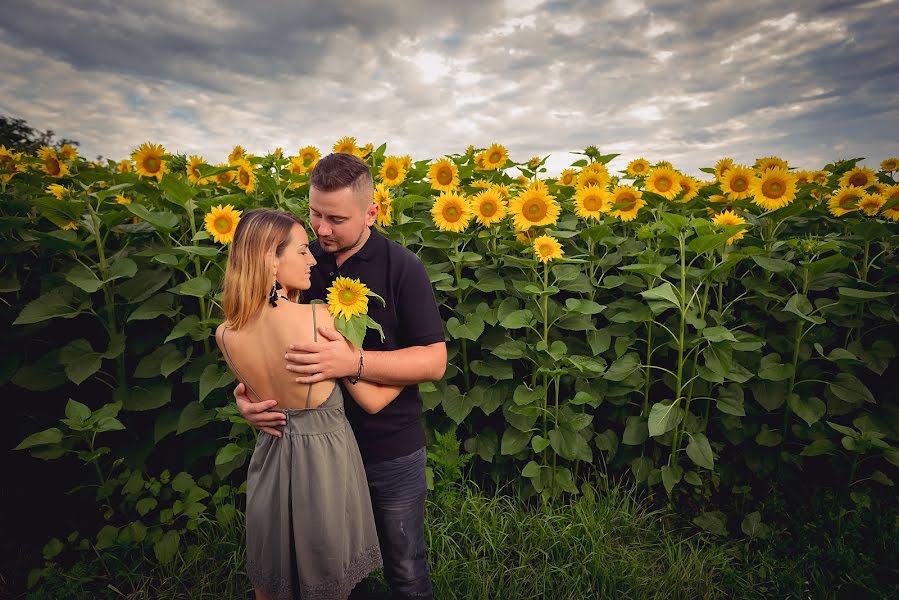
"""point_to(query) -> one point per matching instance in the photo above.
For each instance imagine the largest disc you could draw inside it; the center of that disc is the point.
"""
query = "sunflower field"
(696, 336)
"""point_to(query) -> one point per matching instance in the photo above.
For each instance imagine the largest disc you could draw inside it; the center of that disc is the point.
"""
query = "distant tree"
(17, 135)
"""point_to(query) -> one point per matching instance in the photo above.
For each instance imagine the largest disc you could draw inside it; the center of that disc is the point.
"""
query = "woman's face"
(293, 267)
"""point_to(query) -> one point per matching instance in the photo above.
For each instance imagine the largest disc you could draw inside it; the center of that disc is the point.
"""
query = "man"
(342, 212)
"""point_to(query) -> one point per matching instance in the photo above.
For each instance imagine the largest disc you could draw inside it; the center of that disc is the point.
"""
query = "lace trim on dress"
(277, 587)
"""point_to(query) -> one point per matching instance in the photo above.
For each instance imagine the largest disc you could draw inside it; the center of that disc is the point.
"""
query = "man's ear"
(371, 214)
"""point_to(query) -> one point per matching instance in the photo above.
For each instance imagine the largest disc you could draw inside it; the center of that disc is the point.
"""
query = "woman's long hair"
(261, 234)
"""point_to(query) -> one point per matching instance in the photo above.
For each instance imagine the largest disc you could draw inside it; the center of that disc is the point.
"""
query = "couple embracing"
(334, 486)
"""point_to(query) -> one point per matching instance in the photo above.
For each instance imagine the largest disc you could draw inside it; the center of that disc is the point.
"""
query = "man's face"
(339, 220)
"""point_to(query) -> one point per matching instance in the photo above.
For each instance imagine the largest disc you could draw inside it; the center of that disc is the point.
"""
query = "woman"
(310, 529)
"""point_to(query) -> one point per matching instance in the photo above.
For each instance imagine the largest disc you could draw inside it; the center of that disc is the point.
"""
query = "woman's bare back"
(255, 353)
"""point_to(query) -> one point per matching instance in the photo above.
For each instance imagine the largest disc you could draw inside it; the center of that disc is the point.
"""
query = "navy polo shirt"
(410, 318)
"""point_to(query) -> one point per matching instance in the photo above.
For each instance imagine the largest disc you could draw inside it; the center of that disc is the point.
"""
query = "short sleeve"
(418, 318)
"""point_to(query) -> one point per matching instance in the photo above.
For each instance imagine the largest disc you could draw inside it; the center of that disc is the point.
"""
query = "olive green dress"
(310, 528)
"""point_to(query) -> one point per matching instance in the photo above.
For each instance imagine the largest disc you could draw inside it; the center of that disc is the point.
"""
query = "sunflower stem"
(457, 268)
(675, 446)
(190, 208)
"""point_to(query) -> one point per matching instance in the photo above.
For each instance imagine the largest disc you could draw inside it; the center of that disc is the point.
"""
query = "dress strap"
(234, 367)
(314, 339)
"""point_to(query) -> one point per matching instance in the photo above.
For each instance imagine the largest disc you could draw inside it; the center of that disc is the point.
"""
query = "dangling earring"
(274, 295)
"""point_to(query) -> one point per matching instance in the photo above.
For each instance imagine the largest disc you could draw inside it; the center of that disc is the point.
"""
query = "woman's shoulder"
(304, 311)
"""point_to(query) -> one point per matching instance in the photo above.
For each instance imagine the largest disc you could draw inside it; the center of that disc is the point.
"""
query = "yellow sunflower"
(494, 157)
(729, 218)
(8, 163)
(502, 189)
(723, 166)
(56, 190)
(774, 189)
(859, 177)
(225, 176)
(52, 165)
(534, 162)
(818, 177)
(890, 164)
(593, 174)
(451, 212)
(70, 226)
(278, 152)
(532, 208)
(481, 184)
(719, 198)
(365, 151)
(803, 177)
(347, 298)
(591, 202)
(664, 181)
(871, 204)
(638, 167)
(385, 205)
(346, 145)
(148, 160)
(246, 176)
(568, 177)
(737, 182)
(221, 222)
(392, 171)
(125, 166)
(522, 181)
(237, 154)
(689, 188)
(309, 157)
(770, 162)
(845, 200)
(547, 248)
(444, 175)
(407, 161)
(193, 173)
(68, 152)
(629, 201)
(296, 166)
(489, 207)
(120, 199)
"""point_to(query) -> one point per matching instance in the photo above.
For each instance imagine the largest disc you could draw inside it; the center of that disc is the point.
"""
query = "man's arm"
(333, 358)
(258, 414)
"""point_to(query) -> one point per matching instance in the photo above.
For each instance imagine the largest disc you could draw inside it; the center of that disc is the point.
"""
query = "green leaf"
(198, 287)
(523, 395)
(193, 416)
(176, 190)
(753, 527)
(52, 549)
(800, 306)
(145, 505)
(730, 400)
(714, 522)
(635, 431)
(586, 307)
(160, 304)
(77, 411)
(84, 278)
(570, 445)
(849, 389)
(539, 443)
(82, 367)
(123, 268)
(499, 371)
(705, 243)
(809, 410)
(51, 305)
(213, 378)
(830, 264)
(622, 368)
(718, 334)
(510, 349)
(768, 437)
(774, 265)
(184, 327)
(771, 395)
(455, 404)
(641, 468)
(663, 417)
(670, 477)
(531, 470)
(818, 447)
(514, 441)
(517, 319)
(167, 547)
(151, 365)
(228, 453)
(772, 369)
(470, 330)
(587, 365)
(148, 398)
(485, 444)
(41, 438)
(163, 221)
(664, 292)
(700, 451)
(854, 294)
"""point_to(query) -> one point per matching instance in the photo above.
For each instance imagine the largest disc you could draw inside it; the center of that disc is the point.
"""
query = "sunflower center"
(5, 163)
(495, 156)
(151, 164)
(444, 176)
(858, 179)
(452, 213)
(626, 200)
(592, 202)
(52, 166)
(534, 210)
(488, 208)
(739, 184)
(848, 200)
(223, 224)
(663, 184)
(391, 172)
(567, 180)
(773, 188)
(545, 249)
(244, 177)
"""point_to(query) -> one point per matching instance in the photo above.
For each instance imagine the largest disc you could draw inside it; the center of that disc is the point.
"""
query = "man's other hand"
(258, 414)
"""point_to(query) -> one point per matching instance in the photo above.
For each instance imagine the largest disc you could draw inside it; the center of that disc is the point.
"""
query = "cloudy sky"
(811, 81)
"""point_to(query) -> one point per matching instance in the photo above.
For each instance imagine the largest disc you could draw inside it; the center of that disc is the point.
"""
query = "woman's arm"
(372, 397)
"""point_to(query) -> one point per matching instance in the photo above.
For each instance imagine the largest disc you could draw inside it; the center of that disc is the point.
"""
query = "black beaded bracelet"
(358, 376)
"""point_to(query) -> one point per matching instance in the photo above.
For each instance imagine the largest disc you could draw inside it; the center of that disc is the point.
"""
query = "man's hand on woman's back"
(258, 414)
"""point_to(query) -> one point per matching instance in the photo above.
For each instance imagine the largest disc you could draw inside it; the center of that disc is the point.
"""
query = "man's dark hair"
(340, 170)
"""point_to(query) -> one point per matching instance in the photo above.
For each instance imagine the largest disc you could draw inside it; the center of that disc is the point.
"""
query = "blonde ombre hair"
(261, 235)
